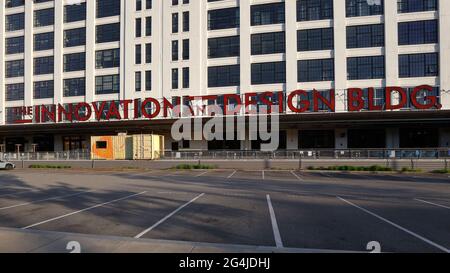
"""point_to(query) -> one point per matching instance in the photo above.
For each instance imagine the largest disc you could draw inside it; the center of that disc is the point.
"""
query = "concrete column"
(245, 36)
(159, 49)
(444, 51)
(2, 61)
(291, 51)
(90, 51)
(198, 16)
(391, 46)
(340, 54)
(127, 52)
(58, 52)
(29, 41)
(165, 27)
(292, 139)
(341, 138)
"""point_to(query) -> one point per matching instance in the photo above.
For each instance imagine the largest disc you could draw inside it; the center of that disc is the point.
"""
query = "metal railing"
(46, 156)
(249, 155)
(312, 154)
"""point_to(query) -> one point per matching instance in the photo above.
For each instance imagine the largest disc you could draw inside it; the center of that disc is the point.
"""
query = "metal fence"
(312, 154)
(249, 155)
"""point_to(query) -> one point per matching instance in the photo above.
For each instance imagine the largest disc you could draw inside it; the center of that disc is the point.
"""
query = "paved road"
(273, 209)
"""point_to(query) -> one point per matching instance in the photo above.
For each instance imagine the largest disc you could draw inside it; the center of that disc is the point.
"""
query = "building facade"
(62, 53)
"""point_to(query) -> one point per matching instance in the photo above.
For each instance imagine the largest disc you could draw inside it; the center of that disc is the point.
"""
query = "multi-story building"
(65, 52)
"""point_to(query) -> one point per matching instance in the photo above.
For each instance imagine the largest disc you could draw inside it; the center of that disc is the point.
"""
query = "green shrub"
(195, 167)
(442, 171)
(37, 166)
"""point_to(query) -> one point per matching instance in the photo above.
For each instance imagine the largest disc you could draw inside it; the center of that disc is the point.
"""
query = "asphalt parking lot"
(278, 209)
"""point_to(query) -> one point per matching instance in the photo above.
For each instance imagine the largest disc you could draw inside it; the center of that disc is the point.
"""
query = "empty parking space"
(220, 219)
(277, 208)
(126, 217)
(304, 219)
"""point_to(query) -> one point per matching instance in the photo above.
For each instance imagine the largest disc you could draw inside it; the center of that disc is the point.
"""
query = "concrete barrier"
(423, 164)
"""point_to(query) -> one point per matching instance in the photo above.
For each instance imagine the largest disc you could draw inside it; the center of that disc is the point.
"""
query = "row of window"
(410, 33)
(309, 10)
(71, 62)
(358, 68)
(109, 84)
(72, 13)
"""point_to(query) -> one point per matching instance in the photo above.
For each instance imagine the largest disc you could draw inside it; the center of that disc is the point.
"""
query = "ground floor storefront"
(396, 130)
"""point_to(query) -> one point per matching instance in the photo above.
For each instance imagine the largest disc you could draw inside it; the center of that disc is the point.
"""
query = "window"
(175, 23)
(363, 68)
(14, 92)
(138, 54)
(43, 41)
(315, 39)
(148, 80)
(310, 10)
(107, 58)
(101, 145)
(74, 13)
(186, 77)
(315, 70)
(75, 37)
(148, 26)
(74, 87)
(43, 90)
(108, 33)
(74, 62)
(267, 14)
(267, 73)
(14, 69)
(223, 47)
(221, 76)
(418, 32)
(223, 18)
(419, 65)
(174, 50)
(44, 17)
(268, 43)
(138, 81)
(186, 25)
(138, 29)
(148, 53)
(15, 22)
(175, 78)
(106, 8)
(15, 45)
(365, 36)
(186, 50)
(14, 3)
(356, 8)
(406, 6)
(43, 65)
(109, 84)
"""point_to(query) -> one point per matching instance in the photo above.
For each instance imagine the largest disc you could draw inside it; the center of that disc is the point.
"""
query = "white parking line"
(86, 209)
(43, 200)
(167, 217)
(397, 226)
(201, 174)
(296, 175)
(231, 175)
(276, 230)
(431, 203)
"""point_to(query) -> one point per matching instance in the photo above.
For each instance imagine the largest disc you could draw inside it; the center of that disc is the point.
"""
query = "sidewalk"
(26, 241)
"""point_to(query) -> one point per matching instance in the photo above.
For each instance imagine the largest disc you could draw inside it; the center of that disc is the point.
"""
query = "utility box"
(127, 147)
